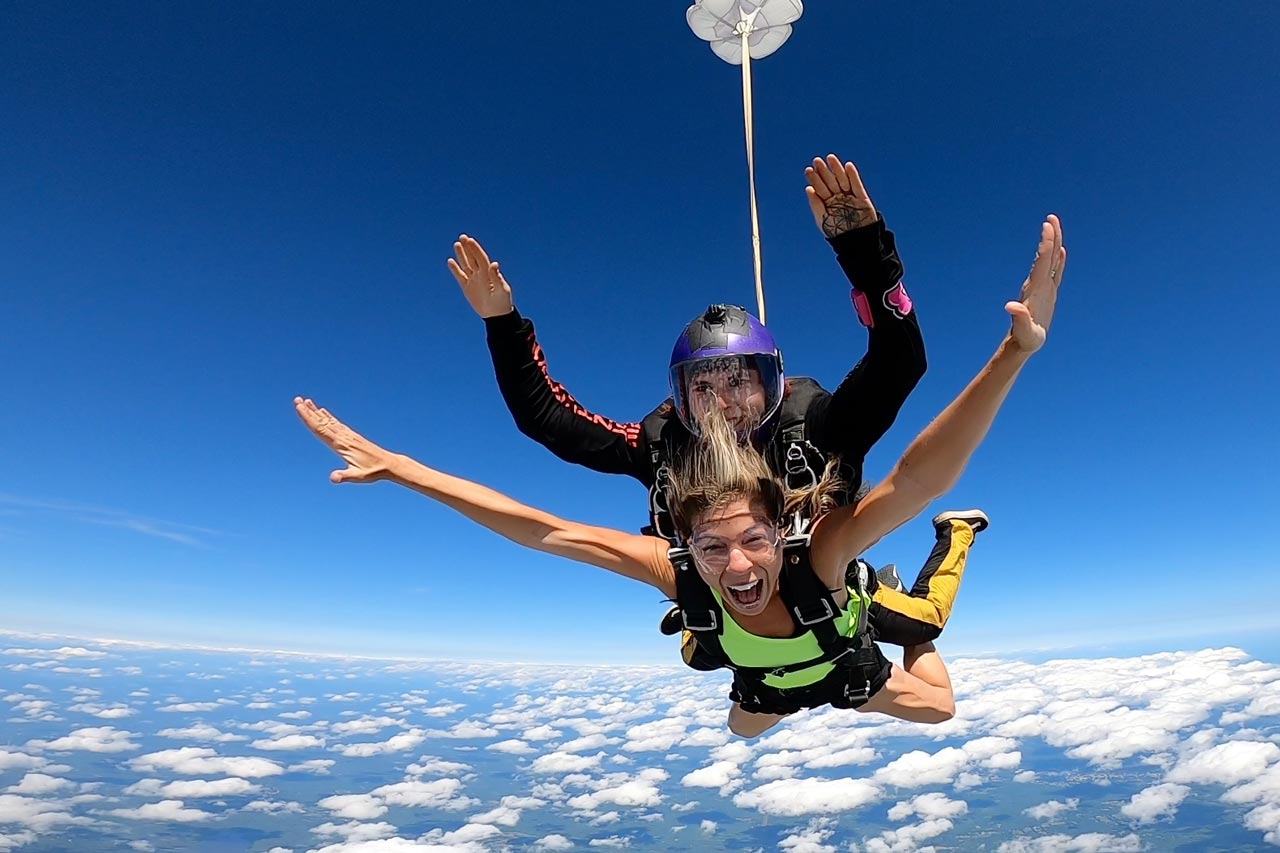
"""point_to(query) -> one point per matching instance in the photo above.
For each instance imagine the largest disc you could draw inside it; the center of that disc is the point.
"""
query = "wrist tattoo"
(843, 215)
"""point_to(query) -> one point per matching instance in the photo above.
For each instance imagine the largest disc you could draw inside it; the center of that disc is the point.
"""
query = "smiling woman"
(792, 621)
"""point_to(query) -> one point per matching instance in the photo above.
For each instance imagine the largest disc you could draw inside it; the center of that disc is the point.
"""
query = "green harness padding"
(833, 661)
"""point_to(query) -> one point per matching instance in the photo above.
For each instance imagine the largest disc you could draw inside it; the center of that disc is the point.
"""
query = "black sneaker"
(888, 576)
(673, 622)
(975, 518)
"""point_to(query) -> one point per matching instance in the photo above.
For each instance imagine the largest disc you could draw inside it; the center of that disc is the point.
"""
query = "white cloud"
(553, 842)
(1265, 818)
(543, 732)
(355, 831)
(428, 766)
(1092, 842)
(363, 725)
(165, 810)
(198, 761)
(917, 768)
(275, 807)
(1051, 809)
(200, 732)
(38, 815)
(500, 816)
(1155, 802)
(930, 806)
(640, 791)
(184, 789)
(1226, 764)
(512, 747)
(396, 743)
(93, 739)
(354, 806)
(37, 784)
(288, 743)
(438, 793)
(811, 839)
(561, 762)
(64, 653)
(656, 736)
(20, 761)
(715, 775)
(318, 766)
(104, 712)
(591, 741)
(794, 797)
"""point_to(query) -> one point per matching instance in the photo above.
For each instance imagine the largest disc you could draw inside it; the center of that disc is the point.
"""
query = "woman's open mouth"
(747, 594)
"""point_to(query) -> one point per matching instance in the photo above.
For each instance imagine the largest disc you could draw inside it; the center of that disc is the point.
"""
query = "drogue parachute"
(740, 31)
(766, 24)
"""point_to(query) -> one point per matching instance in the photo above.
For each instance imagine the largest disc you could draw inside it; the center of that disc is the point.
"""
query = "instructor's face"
(734, 389)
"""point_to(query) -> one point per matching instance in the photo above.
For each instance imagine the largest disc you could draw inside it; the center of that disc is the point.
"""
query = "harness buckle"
(703, 620)
(861, 694)
(663, 524)
(796, 464)
(826, 614)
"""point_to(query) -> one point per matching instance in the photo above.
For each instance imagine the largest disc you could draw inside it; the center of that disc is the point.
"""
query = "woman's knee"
(748, 725)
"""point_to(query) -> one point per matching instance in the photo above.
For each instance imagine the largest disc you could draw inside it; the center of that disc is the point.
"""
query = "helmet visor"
(746, 389)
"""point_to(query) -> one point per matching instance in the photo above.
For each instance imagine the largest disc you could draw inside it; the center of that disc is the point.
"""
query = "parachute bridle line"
(745, 29)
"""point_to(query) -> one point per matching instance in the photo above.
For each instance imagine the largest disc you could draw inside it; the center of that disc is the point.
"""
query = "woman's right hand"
(366, 461)
(482, 282)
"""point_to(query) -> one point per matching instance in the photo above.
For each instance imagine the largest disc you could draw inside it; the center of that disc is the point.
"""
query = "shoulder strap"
(698, 607)
(659, 430)
(809, 599)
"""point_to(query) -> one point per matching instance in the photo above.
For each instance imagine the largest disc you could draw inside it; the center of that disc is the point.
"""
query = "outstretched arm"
(541, 407)
(862, 409)
(642, 558)
(938, 456)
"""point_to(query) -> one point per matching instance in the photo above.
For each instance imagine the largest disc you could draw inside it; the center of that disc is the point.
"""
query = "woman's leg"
(746, 724)
(919, 615)
(919, 690)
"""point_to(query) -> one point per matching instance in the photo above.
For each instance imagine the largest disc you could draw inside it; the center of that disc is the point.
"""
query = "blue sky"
(205, 212)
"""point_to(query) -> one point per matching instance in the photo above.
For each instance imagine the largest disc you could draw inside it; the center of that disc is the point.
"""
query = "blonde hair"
(717, 469)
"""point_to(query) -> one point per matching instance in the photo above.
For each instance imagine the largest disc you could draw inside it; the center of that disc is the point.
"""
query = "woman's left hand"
(1033, 312)
(366, 461)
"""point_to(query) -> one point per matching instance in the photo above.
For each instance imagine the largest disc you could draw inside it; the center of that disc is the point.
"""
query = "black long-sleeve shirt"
(847, 423)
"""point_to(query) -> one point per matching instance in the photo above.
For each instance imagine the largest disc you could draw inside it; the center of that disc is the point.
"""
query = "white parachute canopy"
(765, 23)
(740, 31)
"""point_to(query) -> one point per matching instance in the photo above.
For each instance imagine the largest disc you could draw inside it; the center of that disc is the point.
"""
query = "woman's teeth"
(748, 593)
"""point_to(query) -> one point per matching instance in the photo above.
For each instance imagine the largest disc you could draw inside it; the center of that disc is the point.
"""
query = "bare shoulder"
(825, 552)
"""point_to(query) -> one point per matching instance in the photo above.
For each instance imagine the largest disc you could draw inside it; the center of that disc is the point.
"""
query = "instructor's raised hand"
(482, 282)
(837, 197)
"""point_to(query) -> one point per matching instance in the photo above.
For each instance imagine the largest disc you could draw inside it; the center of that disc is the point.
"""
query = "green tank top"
(747, 649)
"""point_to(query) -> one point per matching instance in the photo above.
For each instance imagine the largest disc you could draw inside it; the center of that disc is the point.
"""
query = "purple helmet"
(728, 354)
